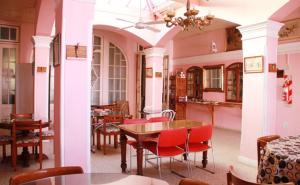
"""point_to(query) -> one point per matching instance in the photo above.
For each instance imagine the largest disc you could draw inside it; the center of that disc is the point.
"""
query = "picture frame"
(233, 39)
(149, 72)
(290, 30)
(254, 64)
(56, 44)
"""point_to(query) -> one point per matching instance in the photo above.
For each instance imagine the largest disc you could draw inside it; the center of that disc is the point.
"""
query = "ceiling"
(17, 10)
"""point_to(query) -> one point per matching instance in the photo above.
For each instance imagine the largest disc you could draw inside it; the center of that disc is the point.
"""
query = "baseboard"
(248, 161)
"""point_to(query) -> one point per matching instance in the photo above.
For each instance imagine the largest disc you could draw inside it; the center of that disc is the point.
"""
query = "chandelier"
(191, 21)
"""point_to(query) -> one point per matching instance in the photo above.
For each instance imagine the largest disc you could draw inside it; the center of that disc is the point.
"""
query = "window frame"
(211, 67)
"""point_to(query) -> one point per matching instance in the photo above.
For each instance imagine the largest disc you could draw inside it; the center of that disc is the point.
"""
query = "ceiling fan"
(141, 24)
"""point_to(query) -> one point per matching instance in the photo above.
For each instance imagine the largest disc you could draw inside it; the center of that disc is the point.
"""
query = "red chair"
(159, 119)
(198, 141)
(133, 143)
(168, 145)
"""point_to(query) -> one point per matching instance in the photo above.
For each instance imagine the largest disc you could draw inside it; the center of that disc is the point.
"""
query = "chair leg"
(116, 141)
(130, 158)
(14, 158)
(194, 158)
(104, 143)
(109, 139)
(3, 152)
(41, 154)
(98, 140)
(213, 158)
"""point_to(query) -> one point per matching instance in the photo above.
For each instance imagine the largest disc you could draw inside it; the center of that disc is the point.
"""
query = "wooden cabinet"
(234, 82)
(177, 89)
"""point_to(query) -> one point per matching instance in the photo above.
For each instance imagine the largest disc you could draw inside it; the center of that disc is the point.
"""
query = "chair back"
(169, 114)
(135, 121)
(233, 179)
(159, 119)
(44, 173)
(169, 138)
(188, 181)
(117, 118)
(262, 142)
(25, 126)
(21, 116)
(123, 107)
(200, 134)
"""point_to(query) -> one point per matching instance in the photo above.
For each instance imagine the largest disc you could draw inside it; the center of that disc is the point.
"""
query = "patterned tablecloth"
(280, 161)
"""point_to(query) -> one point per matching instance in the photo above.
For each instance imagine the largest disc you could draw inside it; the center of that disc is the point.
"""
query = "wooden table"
(98, 178)
(140, 132)
(25, 154)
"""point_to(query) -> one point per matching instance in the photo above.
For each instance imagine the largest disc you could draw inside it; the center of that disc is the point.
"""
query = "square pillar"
(259, 89)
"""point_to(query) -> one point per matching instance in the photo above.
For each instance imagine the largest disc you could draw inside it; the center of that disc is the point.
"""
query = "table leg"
(123, 142)
(139, 157)
(212, 114)
(204, 157)
(25, 157)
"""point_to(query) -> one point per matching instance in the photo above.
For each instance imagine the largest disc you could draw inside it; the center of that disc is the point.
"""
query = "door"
(8, 60)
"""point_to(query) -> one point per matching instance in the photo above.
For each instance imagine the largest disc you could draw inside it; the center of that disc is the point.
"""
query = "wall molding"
(247, 161)
(287, 48)
(41, 41)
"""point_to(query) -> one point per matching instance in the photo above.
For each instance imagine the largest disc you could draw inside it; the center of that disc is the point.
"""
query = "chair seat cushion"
(164, 151)
(5, 138)
(30, 138)
(196, 147)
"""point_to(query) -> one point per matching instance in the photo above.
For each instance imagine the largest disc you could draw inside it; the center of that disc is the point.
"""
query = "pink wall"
(129, 50)
(225, 117)
(199, 44)
(287, 115)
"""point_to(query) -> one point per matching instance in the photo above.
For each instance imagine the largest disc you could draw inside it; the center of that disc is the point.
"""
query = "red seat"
(167, 145)
(198, 140)
(158, 119)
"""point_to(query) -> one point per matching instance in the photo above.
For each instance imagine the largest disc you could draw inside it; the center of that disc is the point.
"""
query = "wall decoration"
(76, 52)
(149, 72)
(272, 68)
(158, 74)
(254, 64)
(290, 30)
(56, 50)
(40, 69)
(234, 39)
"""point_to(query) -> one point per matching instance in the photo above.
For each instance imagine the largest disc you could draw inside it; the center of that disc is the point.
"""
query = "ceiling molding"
(287, 48)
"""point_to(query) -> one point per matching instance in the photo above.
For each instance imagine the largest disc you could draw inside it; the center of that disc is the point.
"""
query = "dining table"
(98, 179)
(25, 156)
(280, 162)
(142, 132)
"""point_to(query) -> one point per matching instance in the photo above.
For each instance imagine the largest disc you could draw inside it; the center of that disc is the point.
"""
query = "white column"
(259, 89)
(41, 78)
(154, 84)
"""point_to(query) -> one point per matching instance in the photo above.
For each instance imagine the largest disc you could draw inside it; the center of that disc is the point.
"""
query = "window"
(116, 75)
(194, 83)
(234, 82)
(96, 66)
(213, 76)
(9, 33)
(9, 75)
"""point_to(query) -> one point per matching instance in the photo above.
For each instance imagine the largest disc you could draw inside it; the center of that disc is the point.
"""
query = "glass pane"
(12, 70)
(111, 98)
(97, 40)
(96, 58)
(123, 96)
(117, 96)
(111, 73)
(96, 85)
(13, 34)
(13, 55)
(4, 93)
(111, 56)
(12, 97)
(117, 59)
(111, 84)
(95, 98)
(117, 72)
(12, 84)
(4, 33)
(117, 84)
(123, 85)
(5, 54)
(117, 50)
(123, 72)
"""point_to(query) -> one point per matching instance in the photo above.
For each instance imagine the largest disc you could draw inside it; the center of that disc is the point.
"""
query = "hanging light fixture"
(190, 21)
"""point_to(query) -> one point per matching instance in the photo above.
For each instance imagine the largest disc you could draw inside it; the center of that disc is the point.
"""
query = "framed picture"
(290, 30)
(149, 72)
(254, 64)
(56, 50)
(233, 39)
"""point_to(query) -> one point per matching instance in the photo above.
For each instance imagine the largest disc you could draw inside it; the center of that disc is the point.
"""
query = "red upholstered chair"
(132, 143)
(198, 141)
(159, 119)
(168, 145)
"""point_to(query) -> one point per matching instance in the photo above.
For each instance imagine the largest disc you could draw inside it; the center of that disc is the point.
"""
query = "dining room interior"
(188, 92)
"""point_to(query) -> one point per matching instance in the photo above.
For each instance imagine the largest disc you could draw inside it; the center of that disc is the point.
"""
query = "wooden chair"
(169, 113)
(26, 138)
(233, 179)
(188, 181)
(4, 140)
(26, 116)
(44, 173)
(262, 142)
(108, 129)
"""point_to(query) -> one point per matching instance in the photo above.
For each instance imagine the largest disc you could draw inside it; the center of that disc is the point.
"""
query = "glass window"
(96, 71)
(117, 74)
(8, 75)
(234, 82)
(213, 78)
(194, 82)
(9, 33)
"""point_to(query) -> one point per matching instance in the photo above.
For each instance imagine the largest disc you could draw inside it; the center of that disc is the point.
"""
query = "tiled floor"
(226, 150)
